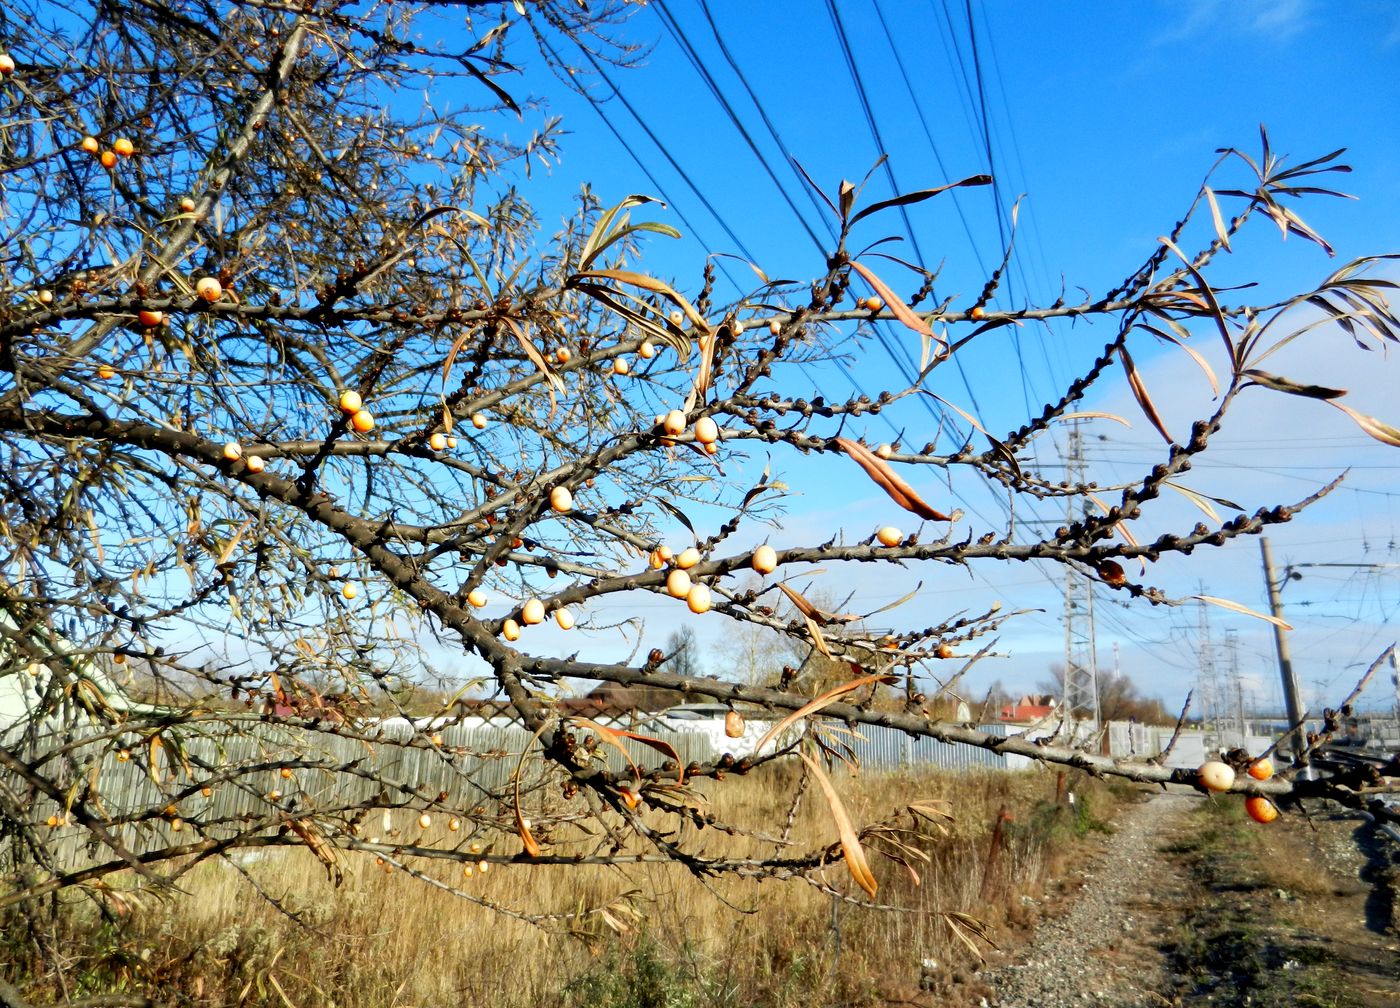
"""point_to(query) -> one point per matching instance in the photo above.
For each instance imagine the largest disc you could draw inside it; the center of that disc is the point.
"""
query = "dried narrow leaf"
(313, 838)
(998, 448)
(612, 734)
(965, 928)
(676, 513)
(1195, 499)
(1120, 527)
(232, 544)
(1219, 316)
(1281, 384)
(646, 283)
(527, 839)
(660, 328)
(1236, 607)
(921, 195)
(887, 480)
(1140, 394)
(609, 737)
(815, 188)
(850, 843)
(897, 602)
(803, 606)
(1092, 415)
(895, 303)
(1220, 230)
(1195, 356)
(819, 703)
(602, 234)
(847, 198)
(704, 369)
(1377, 429)
(532, 352)
(818, 638)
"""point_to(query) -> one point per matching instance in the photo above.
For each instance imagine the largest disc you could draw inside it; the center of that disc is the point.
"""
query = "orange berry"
(255, 463)
(363, 421)
(564, 618)
(673, 422)
(187, 204)
(678, 584)
(477, 597)
(510, 629)
(688, 558)
(978, 313)
(106, 372)
(873, 304)
(1260, 809)
(150, 319)
(1261, 769)
(706, 430)
(108, 159)
(647, 350)
(122, 146)
(733, 724)
(209, 289)
(698, 598)
(479, 420)
(1216, 776)
(349, 591)
(563, 355)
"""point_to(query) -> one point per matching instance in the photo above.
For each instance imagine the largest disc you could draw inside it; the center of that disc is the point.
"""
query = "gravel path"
(1106, 949)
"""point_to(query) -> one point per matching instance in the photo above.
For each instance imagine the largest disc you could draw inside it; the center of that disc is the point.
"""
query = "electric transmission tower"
(1081, 682)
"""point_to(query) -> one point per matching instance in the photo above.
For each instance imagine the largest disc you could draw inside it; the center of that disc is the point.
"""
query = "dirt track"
(1189, 903)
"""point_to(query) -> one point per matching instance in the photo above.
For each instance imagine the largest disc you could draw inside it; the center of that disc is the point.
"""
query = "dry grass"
(384, 939)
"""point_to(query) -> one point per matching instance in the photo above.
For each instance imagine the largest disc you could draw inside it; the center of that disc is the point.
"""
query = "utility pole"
(1081, 683)
(1291, 699)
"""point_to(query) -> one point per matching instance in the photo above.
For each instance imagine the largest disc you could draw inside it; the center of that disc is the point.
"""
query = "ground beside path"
(1188, 902)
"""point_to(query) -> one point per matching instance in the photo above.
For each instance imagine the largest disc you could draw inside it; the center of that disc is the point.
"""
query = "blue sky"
(1106, 116)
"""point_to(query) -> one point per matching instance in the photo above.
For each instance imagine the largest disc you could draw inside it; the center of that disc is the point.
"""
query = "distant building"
(1031, 708)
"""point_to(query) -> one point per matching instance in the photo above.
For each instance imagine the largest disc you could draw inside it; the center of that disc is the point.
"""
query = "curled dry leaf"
(1236, 607)
(1280, 384)
(1377, 429)
(851, 849)
(889, 481)
(1140, 394)
(898, 308)
(611, 735)
(818, 703)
